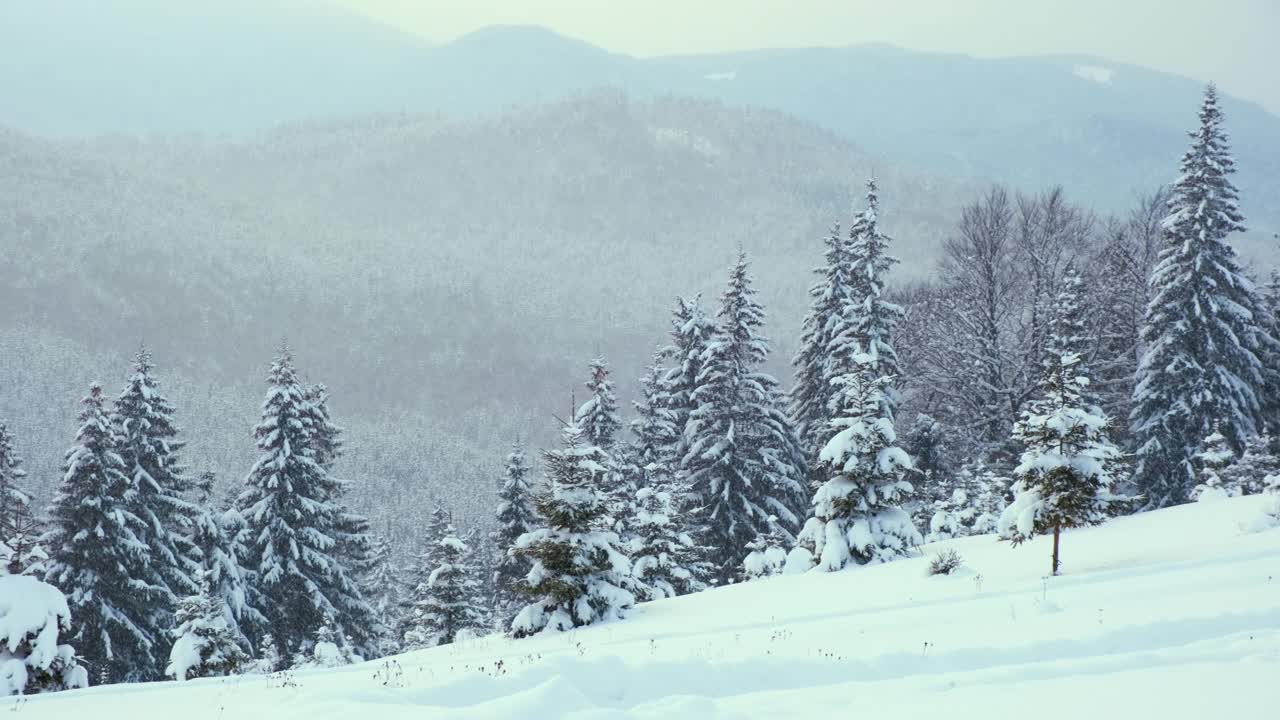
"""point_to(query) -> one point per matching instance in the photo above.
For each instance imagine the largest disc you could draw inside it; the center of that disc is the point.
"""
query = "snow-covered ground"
(1172, 614)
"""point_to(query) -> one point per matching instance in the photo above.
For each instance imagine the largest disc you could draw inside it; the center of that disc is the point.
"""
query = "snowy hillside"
(1169, 614)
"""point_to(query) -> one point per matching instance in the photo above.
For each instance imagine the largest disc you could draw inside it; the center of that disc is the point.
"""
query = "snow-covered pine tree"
(21, 552)
(1204, 342)
(1068, 465)
(219, 538)
(598, 418)
(449, 600)
(579, 572)
(516, 516)
(325, 435)
(691, 332)
(652, 428)
(483, 558)
(383, 588)
(98, 558)
(931, 477)
(293, 522)
(13, 501)
(857, 513)
(973, 508)
(667, 557)
(353, 541)
(666, 561)
(743, 458)
(820, 361)
(204, 645)
(766, 554)
(32, 617)
(871, 318)
(1250, 471)
(1211, 462)
(148, 445)
(439, 520)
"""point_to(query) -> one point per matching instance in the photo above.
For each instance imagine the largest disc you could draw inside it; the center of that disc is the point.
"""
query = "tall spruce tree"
(579, 573)
(743, 458)
(439, 520)
(293, 525)
(219, 538)
(1203, 337)
(691, 333)
(820, 360)
(148, 445)
(14, 502)
(99, 559)
(21, 552)
(666, 548)
(598, 418)
(449, 598)
(1068, 465)
(871, 318)
(516, 516)
(383, 588)
(857, 513)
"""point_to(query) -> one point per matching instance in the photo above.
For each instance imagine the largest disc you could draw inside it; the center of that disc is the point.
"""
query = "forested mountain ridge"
(391, 250)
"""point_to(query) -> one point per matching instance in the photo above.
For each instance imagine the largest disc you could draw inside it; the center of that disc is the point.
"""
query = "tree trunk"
(1057, 530)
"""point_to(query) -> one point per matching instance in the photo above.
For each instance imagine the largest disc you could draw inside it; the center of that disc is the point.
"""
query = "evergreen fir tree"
(1067, 470)
(743, 458)
(579, 573)
(598, 418)
(857, 513)
(973, 508)
(148, 445)
(219, 539)
(1250, 471)
(98, 558)
(691, 333)
(872, 319)
(1203, 337)
(204, 645)
(653, 430)
(766, 554)
(383, 588)
(516, 516)
(448, 599)
(21, 552)
(13, 501)
(325, 435)
(821, 360)
(666, 561)
(930, 477)
(439, 521)
(1211, 464)
(293, 522)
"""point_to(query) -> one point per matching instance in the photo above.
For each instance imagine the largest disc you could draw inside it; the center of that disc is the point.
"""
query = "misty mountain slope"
(1101, 129)
(448, 281)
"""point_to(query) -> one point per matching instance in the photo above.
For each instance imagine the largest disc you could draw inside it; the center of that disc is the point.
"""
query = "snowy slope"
(1172, 614)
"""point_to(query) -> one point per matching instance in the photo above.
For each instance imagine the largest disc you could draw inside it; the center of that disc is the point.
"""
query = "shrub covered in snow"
(945, 562)
(32, 614)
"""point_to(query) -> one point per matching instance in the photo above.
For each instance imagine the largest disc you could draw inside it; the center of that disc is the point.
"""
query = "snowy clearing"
(1173, 614)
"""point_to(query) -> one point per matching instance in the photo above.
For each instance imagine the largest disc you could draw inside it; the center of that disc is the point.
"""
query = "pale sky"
(1233, 42)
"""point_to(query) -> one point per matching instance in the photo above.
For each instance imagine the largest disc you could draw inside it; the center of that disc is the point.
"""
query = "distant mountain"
(1104, 130)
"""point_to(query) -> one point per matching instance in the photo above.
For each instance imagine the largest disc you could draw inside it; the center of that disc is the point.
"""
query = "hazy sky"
(1234, 42)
